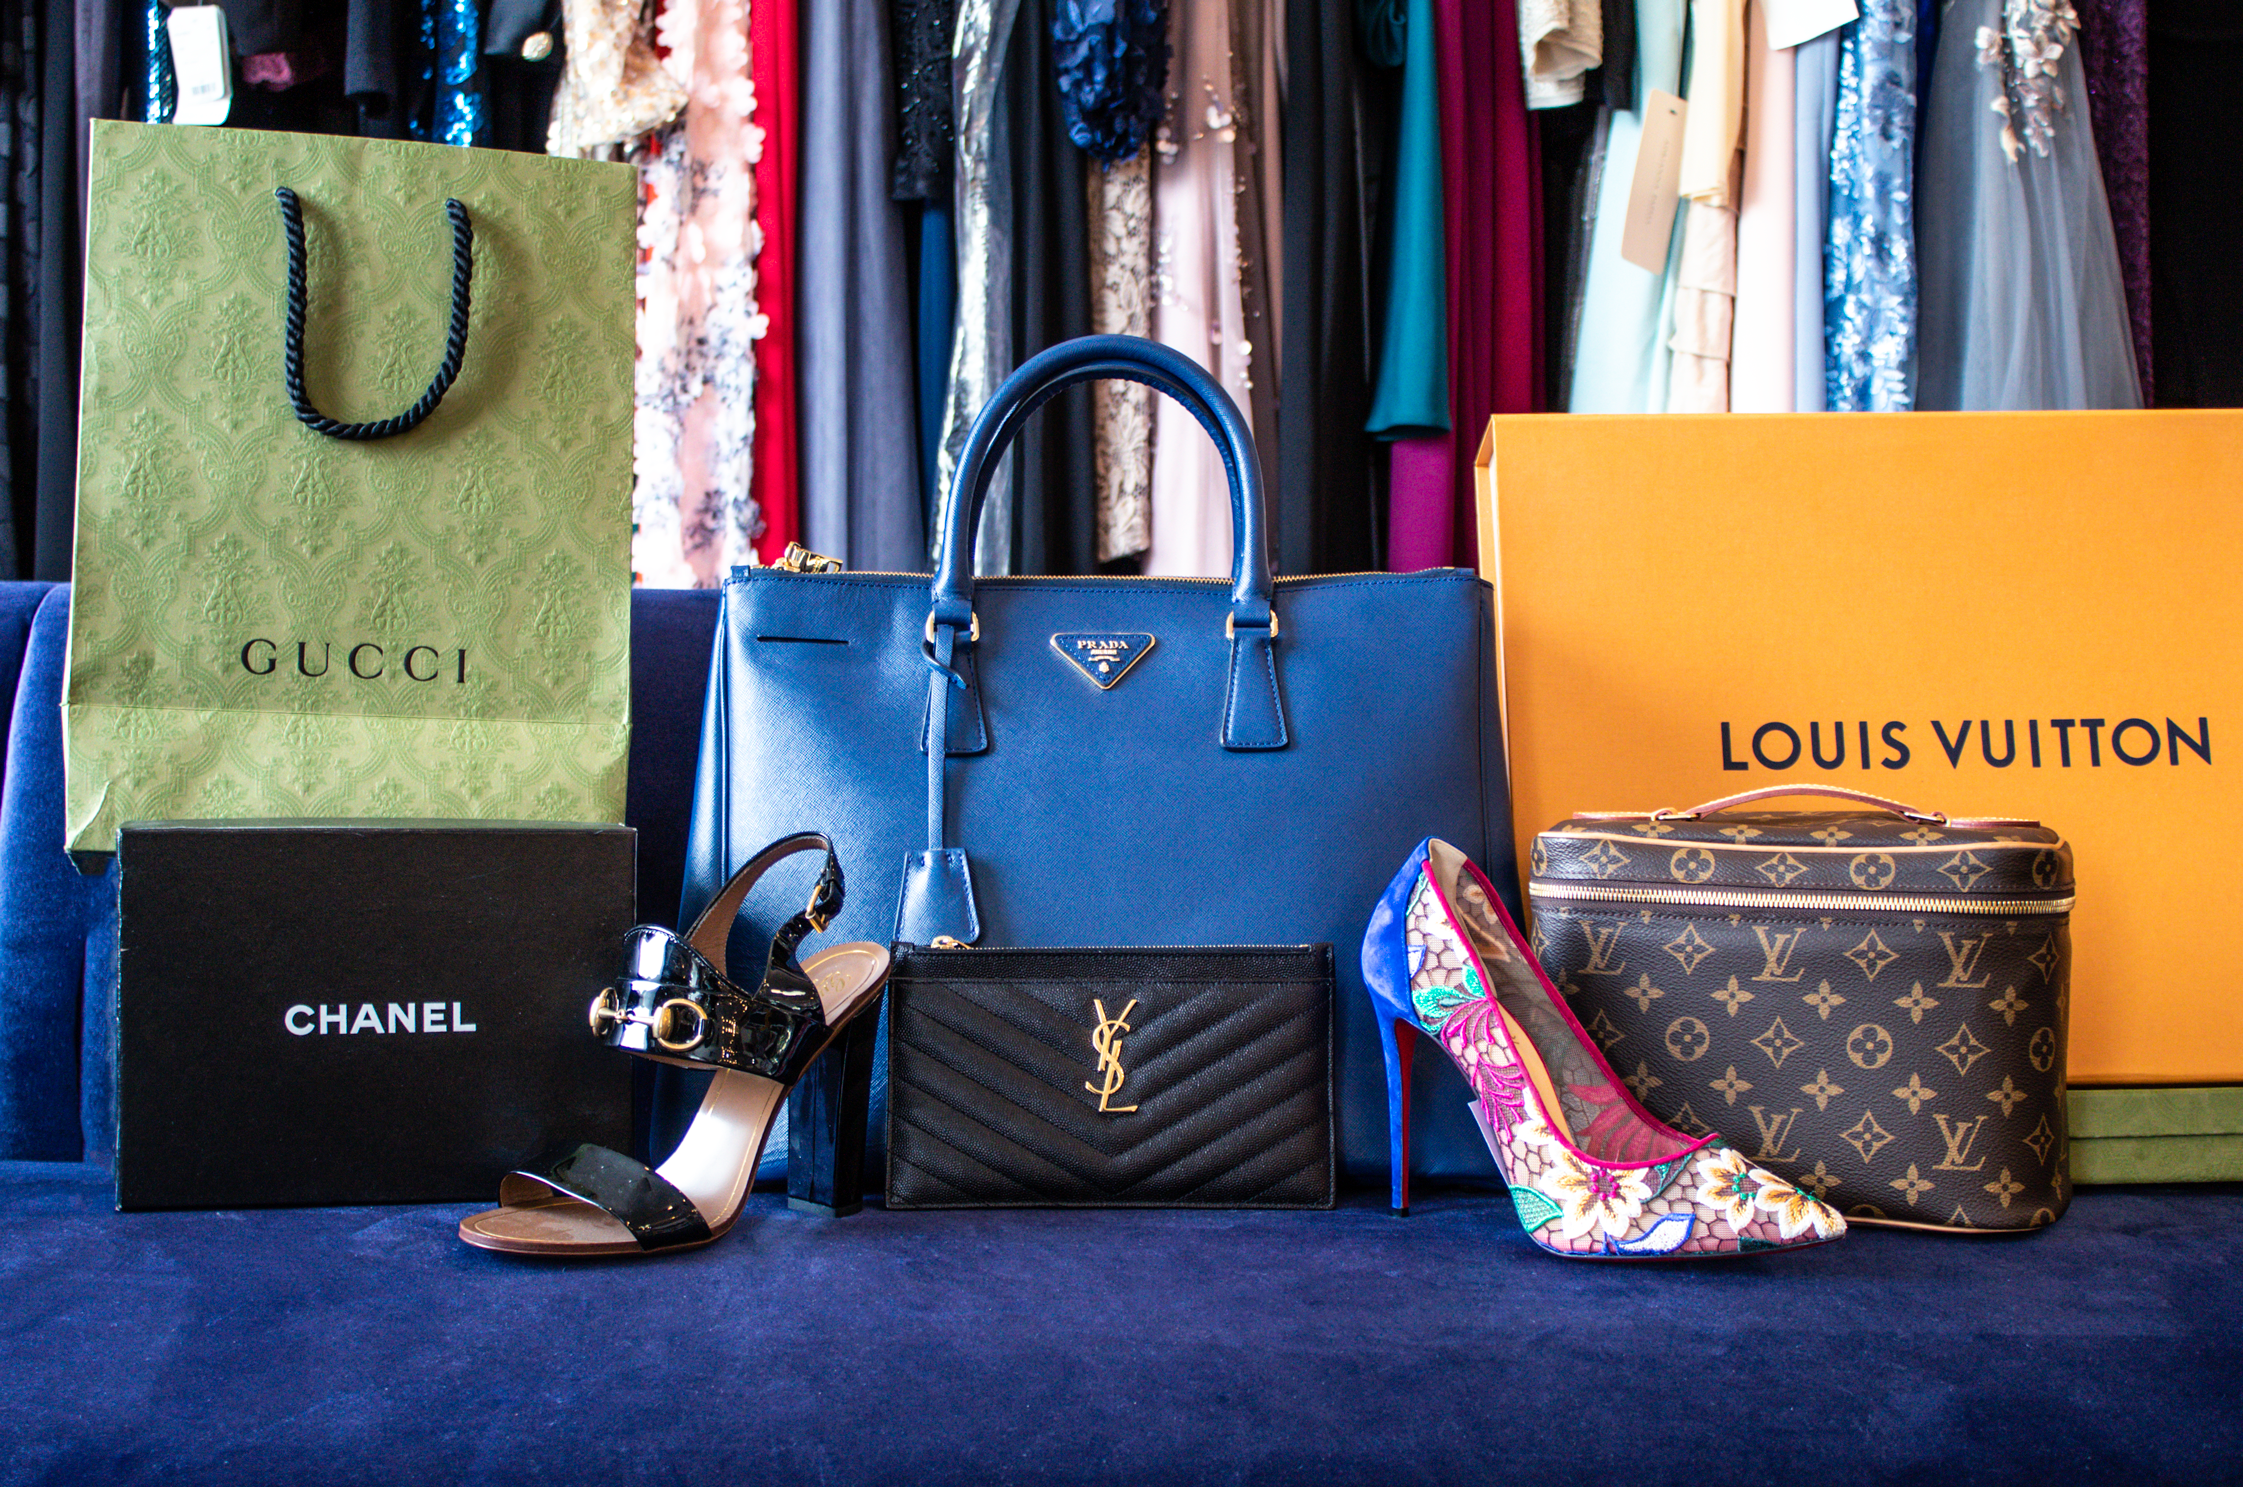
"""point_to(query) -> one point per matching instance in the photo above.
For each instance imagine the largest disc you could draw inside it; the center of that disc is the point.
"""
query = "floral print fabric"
(695, 501)
(1614, 1182)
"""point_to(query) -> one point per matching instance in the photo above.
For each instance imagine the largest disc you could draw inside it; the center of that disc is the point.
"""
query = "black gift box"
(337, 1012)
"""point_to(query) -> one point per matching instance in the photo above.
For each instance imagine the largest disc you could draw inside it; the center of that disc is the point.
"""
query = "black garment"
(1054, 474)
(55, 380)
(2196, 215)
(1572, 158)
(518, 101)
(1613, 82)
(1321, 513)
(100, 63)
(507, 24)
(259, 26)
(21, 74)
(926, 128)
(372, 52)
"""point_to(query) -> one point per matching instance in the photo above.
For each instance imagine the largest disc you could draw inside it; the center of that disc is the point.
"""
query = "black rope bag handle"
(455, 339)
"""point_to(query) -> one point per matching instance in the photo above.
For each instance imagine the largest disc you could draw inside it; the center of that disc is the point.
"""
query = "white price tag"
(1656, 186)
(202, 58)
(1792, 21)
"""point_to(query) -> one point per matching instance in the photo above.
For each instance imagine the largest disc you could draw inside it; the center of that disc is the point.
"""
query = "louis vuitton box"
(2025, 615)
(338, 1012)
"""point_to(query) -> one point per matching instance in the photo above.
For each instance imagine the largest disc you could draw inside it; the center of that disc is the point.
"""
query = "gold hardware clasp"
(665, 1015)
(800, 559)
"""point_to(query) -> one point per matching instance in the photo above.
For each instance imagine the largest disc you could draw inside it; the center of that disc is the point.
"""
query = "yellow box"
(1680, 600)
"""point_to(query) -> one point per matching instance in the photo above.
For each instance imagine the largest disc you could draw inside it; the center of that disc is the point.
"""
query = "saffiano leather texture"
(1070, 814)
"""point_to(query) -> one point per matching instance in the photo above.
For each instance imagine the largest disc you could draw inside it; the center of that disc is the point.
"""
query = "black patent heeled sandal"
(676, 1004)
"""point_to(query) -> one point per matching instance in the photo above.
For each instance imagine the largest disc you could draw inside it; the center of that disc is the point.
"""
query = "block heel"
(764, 1042)
(826, 1122)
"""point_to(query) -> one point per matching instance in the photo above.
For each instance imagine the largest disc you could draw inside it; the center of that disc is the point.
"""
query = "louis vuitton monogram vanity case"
(1870, 1002)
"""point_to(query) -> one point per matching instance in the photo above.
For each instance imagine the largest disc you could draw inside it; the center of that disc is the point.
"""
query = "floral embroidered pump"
(1591, 1172)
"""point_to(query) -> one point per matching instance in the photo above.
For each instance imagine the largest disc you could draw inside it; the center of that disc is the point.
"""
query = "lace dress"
(2023, 302)
(1112, 61)
(1198, 307)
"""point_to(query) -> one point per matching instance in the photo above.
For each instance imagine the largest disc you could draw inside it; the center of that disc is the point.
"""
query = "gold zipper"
(1752, 898)
(800, 559)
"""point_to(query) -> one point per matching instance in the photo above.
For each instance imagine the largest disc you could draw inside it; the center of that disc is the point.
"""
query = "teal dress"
(1411, 394)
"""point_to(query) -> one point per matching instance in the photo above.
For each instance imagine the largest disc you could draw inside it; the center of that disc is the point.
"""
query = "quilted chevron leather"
(1124, 1078)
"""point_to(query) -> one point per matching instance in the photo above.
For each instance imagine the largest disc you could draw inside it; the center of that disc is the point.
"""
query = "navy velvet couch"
(368, 1345)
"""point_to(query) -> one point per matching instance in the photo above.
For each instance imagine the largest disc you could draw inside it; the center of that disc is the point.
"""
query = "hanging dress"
(1620, 355)
(1869, 255)
(1198, 308)
(1761, 370)
(694, 502)
(2023, 302)
(1814, 117)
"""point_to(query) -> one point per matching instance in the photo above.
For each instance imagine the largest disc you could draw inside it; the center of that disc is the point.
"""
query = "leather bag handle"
(1088, 359)
(1837, 792)
(1777, 792)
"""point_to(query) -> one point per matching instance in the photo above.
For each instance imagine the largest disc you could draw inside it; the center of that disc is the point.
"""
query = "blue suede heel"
(1386, 974)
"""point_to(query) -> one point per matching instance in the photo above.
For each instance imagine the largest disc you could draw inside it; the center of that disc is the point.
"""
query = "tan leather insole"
(714, 1165)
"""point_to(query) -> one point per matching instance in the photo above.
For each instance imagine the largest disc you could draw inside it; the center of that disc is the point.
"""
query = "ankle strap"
(713, 929)
(674, 1001)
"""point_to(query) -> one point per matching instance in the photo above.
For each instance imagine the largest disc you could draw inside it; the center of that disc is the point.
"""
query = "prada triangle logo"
(1103, 656)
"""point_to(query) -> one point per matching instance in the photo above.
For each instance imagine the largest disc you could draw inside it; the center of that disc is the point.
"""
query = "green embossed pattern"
(486, 553)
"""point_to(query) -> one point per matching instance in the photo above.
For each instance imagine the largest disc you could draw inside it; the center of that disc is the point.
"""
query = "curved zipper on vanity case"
(1821, 903)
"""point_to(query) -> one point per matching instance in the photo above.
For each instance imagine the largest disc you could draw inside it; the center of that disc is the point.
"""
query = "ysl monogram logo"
(1776, 950)
(1775, 1130)
(1106, 1038)
(1602, 938)
(1959, 1136)
(1962, 958)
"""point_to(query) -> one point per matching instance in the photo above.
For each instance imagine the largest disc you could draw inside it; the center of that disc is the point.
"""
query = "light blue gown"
(1620, 363)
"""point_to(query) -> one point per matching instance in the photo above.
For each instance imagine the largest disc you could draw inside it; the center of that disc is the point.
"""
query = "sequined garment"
(160, 95)
(452, 41)
(1869, 256)
(613, 88)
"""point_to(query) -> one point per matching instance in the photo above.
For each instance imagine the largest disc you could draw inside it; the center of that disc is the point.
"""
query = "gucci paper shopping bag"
(397, 582)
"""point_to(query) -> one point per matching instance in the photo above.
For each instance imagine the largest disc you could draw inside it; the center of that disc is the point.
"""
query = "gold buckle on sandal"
(660, 1023)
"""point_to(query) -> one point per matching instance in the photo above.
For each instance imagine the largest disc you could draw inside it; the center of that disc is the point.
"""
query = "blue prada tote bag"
(1118, 761)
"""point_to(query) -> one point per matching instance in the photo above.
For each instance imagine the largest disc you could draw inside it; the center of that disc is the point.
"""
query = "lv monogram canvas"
(1869, 1005)
(1112, 1078)
(272, 622)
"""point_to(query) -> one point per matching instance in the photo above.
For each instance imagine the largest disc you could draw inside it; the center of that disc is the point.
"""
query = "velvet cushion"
(1141, 1348)
(57, 984)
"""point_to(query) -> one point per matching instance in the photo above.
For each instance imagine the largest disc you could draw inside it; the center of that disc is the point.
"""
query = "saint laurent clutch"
(1110, 1078)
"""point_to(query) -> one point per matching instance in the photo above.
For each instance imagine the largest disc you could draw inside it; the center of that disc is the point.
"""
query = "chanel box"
(343, 1012)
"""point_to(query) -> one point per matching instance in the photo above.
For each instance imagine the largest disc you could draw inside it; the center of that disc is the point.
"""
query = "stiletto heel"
(1591, 1172)
(1401, 1048)
(826, 1123)
(675, 1003)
